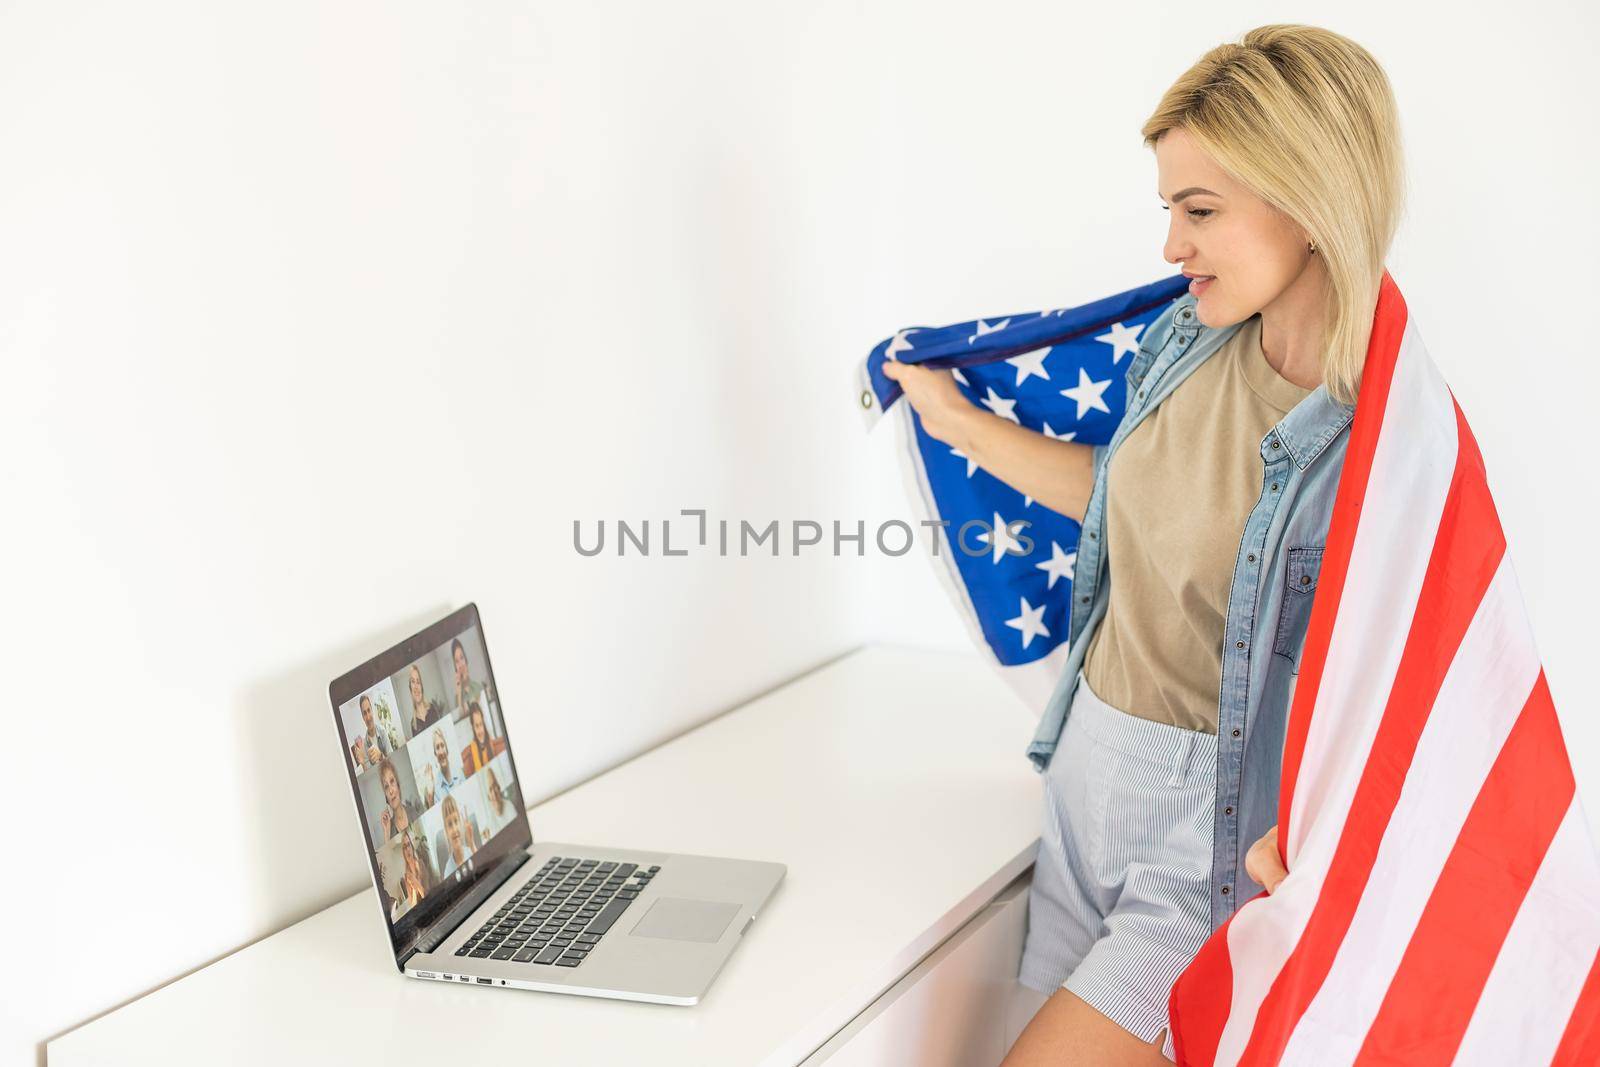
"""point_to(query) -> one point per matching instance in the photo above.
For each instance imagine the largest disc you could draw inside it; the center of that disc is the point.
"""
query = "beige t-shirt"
(1178, 491)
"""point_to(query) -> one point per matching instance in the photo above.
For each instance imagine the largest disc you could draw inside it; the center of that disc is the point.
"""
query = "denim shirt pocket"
(1300, 586)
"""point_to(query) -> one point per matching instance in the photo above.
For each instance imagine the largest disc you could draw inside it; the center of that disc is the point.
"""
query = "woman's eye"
(1199, 212)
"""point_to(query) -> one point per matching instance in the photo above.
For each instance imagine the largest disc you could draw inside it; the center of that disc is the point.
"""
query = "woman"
(1279, 159)
(466, 689)
(398, 812)
(477, 755)
(498, 808)
(456, 836)
(424, 712)
(412, 883)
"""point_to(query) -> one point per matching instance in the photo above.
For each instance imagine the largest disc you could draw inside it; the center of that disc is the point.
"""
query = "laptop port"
(486, 981)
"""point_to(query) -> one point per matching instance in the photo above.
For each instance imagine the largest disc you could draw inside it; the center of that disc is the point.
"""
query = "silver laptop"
(468, 894)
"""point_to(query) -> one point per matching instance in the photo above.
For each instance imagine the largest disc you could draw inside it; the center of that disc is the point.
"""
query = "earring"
(1311, 246)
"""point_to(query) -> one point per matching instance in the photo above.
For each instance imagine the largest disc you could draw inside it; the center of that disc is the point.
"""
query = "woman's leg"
(1068, 1032)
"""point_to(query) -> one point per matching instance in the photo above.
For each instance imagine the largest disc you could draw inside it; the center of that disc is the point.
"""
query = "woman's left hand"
(1262, 862)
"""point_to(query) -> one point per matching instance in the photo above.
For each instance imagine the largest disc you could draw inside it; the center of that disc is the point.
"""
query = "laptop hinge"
(445, 925)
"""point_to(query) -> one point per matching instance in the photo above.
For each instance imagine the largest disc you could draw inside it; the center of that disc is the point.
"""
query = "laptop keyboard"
(559, 914)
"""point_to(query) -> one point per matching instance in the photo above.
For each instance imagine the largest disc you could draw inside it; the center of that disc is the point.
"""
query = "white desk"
(891, 781)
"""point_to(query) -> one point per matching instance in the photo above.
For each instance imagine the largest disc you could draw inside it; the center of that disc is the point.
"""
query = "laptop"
(467, 893)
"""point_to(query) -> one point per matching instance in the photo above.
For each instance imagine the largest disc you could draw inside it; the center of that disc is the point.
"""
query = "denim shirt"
(1269, 598)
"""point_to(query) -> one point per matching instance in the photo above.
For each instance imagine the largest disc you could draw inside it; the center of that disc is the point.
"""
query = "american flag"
(1442, 903)
(1060, 372)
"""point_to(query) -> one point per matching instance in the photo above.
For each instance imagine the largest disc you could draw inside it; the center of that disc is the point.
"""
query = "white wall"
(317, 321)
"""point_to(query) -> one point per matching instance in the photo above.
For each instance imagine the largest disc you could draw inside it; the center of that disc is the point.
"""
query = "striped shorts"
(1121, 897)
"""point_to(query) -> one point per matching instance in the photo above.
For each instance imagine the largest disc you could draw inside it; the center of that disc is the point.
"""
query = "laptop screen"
(424, 741)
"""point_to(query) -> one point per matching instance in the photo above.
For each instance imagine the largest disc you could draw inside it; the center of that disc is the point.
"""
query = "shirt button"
(1238, 644)
(1224, 890)
(1235, 731)
(1274, 486)
(1274, 443)
(1305, 579)
(1228, 810)
(1085, 600)
(1092, 535)
(1251, 557)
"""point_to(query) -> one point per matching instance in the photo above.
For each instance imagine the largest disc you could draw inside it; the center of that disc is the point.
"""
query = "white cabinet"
(960, 1007)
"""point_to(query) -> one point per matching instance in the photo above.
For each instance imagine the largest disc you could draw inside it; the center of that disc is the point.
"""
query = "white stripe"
(1406, 490)
(1546, 956)
(1480, 700)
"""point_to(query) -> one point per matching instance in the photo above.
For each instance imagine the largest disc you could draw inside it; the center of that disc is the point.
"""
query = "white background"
(317, 321)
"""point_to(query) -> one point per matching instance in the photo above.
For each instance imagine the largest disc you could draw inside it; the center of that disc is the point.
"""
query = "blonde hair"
(1306, 119)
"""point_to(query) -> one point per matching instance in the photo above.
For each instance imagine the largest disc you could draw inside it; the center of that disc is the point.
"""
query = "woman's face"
(391, 789)
(452, 828)
(416, 687)
(461, 664)
(413, 867)
(441, 751)
(1253, 251)
(480, 733)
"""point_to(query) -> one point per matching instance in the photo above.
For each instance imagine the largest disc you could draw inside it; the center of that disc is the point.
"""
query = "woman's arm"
(1058, 474)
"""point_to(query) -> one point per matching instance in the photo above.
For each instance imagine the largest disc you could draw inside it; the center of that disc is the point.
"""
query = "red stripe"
(1580, 1044)
(1467, 548)
(1484, 881)
(1202, 995)
(1377, 375)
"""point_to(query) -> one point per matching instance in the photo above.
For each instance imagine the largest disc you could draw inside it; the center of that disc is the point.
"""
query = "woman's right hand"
(946, 412)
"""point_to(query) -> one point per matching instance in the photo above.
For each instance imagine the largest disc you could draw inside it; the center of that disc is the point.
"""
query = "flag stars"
(1124, 340)
(1059, 565)
(1088, 393)
(999, 538)
(985, 328)
(1030, 622)
(1001, 406)
(899, 343)
(1048, 432)
(972, 464)
(1030, 365)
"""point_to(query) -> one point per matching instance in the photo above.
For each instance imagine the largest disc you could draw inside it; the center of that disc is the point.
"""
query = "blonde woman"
(413, 880)
(457, 836)
(1203, 523)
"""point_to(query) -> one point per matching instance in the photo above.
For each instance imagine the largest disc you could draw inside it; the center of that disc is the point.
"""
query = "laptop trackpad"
(686, 920)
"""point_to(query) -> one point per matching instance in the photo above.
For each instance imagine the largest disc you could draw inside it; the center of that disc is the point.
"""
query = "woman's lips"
(1199, 285)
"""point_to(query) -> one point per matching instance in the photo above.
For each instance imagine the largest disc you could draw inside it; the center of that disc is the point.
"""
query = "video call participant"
(441, 779)
(413, 883)
(424, 712)
(498, 809)
(466, 689)
(398, 812)
(455, 836)
(373, 745)
(477, 755)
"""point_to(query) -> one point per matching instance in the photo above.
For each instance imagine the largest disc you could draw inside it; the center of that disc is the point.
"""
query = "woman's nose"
(1177, 249)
